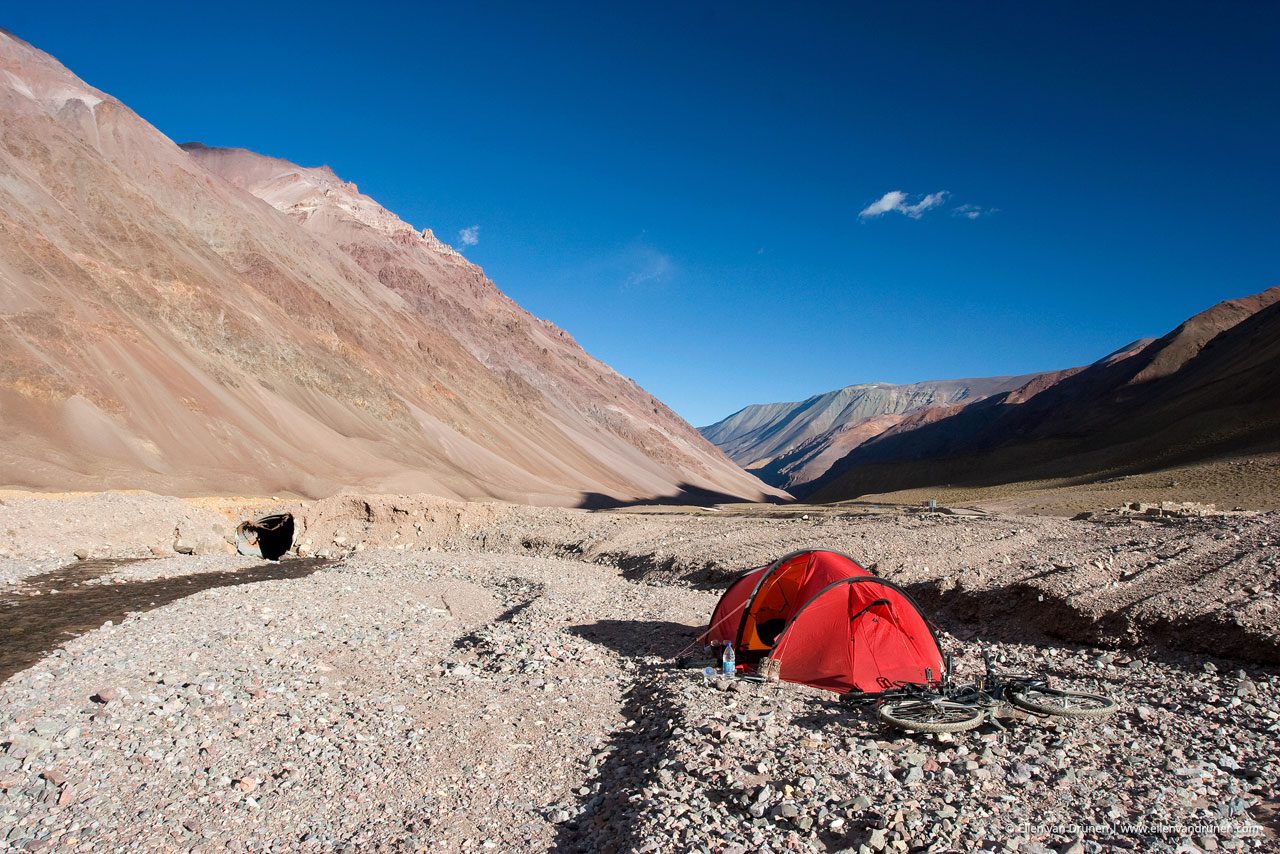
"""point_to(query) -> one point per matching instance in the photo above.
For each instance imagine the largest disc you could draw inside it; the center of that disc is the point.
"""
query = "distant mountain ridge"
(789, 444)
(1209, 387)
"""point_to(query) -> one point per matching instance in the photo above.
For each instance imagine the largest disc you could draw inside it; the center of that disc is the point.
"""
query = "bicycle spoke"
(931, 714)
(1066, 701)
(933, 711)
(1071, 704)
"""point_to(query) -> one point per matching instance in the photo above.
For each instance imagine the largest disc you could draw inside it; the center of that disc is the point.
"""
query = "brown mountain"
(218, 322)
(790, 444)
(1209, 388)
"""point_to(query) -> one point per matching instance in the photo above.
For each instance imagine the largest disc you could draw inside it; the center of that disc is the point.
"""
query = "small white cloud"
(648, 265)
(469, 236)
(972, 211)
(890, 201)
(635, 266)
(896, 201)
(927, 203)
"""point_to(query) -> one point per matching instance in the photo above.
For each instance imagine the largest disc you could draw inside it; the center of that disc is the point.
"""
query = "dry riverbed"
(479, 677)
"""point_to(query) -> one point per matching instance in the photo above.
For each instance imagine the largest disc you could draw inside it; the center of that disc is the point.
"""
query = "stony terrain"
(505, 678)
(1116, 578)
(1240, 481)
(39, 533)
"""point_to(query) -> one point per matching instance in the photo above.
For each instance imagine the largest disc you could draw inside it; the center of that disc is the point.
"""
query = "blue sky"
(680, 185)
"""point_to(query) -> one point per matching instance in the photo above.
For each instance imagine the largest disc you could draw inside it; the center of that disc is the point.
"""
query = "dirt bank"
(1193, 582)
(1187, 582)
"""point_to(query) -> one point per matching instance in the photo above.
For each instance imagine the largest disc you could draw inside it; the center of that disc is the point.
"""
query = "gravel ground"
(14, 570)
(755, 767)
(177, 566)
(394, 700)
(1195, 581)
(39, 533)
(505, 681)
(1189, 580)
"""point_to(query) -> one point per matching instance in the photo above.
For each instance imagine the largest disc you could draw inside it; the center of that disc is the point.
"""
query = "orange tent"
(828, 623)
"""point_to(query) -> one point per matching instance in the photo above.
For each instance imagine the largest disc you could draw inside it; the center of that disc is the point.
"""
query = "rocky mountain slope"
(221, 322)
(1209, 388)
(789, 444)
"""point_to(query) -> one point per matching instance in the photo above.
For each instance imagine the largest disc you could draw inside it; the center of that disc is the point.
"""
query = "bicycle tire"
(1093, 706)
(923, 715)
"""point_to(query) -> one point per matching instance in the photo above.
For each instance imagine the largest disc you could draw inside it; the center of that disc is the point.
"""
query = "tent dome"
(828, 622)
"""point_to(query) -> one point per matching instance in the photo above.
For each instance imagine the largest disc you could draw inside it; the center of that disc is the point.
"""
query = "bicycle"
(940, 706)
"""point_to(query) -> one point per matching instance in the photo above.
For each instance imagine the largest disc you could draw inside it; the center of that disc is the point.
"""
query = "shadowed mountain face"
(214, 321)
(1208, 388)
(790, 444)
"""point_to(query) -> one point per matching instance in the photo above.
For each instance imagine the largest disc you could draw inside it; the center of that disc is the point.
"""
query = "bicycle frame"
(986, 692)
(939, 705)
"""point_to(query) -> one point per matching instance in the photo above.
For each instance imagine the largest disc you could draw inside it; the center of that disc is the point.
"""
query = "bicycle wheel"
(926, 715)
(1065, 704)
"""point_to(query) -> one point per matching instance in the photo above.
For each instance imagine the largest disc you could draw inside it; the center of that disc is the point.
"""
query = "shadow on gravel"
(632, 638)
(1022, 613)
(34, 618)
(521, 594)
(647, 568)
(1014, 613)
(826, 716)
(686, 495)
(606, 819)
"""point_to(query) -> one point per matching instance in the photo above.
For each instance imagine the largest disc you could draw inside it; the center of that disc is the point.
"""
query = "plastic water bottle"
(728, 663)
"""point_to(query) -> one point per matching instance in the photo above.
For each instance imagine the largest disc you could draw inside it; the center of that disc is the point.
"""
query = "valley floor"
(453, 677)
(1249, 482)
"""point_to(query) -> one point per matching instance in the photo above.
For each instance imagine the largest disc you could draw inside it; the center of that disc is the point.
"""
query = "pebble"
(106, 695)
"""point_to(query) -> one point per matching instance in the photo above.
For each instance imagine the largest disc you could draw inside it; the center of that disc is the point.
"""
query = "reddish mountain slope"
(1209, 387)
(223, 322)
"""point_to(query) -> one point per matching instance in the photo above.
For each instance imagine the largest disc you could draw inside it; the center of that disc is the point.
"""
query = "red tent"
(828, 623)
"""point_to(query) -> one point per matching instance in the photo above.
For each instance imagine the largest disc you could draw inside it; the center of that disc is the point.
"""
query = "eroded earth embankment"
(1192, 581)
(469, 676)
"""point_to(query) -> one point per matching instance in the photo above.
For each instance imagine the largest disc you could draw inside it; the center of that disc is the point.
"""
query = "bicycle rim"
(1066, 704)
(924, 715)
